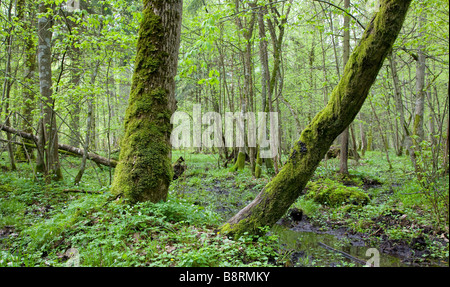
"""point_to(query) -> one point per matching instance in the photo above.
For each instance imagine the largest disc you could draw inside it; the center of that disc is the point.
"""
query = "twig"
(343, 10)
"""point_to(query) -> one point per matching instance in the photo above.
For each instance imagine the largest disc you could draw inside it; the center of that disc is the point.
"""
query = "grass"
(45, 221)
(42, 223)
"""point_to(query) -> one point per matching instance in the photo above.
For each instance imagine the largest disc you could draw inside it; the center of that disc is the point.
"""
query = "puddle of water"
(308, 250)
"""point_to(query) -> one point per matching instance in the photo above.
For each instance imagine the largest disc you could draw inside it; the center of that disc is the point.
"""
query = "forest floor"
(57, 225)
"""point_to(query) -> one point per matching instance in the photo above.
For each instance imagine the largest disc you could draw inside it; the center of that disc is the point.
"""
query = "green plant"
(429, 172)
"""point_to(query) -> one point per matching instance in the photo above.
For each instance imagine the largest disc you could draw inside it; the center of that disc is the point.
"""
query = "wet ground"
(309, 245)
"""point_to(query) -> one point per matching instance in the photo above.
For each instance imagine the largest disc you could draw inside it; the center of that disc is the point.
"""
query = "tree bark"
(345, 102)
(420, 85)
(30, 66)
(145, 170)
(363, 135)
(48, 158)
(343, 159)
(7, 85)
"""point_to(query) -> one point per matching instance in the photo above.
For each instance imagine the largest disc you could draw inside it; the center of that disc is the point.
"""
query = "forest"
(224, 133)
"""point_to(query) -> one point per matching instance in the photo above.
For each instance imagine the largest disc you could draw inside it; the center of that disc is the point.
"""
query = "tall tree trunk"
(447, 143)
(345, 102)
(343, 160)
(382, 135)
(30, 65)
(355, 144)
(145, 169)
(420, 85)
(7, 86)
(248, 84)
(88, 129)
(264, 58)
(401, 111)
(7, 89)
(48, 165)
(74, 102)
(277, 42)
(363, 135)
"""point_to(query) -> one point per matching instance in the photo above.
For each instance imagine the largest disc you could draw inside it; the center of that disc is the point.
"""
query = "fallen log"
(82, 191)
(61, 147)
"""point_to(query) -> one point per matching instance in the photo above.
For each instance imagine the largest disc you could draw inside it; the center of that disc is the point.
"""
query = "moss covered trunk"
(144, 171)
(345, 102)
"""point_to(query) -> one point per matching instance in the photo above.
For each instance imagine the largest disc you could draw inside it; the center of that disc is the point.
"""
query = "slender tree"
(47, 161)
(419, 110)
(29, 72)
(343, 167)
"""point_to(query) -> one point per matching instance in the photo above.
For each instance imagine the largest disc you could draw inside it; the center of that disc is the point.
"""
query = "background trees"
(82, 82)
(235, 56)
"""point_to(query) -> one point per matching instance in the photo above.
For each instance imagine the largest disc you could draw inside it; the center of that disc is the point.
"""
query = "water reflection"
(310, 249)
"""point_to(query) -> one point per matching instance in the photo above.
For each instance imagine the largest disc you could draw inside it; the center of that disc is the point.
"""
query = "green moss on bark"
(144, 171)
(258, 170)
(240, 163)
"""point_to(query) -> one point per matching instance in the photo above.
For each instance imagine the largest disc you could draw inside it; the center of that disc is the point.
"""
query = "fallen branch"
(82, 191)
(346, 255)
(61, 147)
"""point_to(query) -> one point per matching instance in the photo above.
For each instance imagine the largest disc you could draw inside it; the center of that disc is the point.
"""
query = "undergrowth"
(49, 225)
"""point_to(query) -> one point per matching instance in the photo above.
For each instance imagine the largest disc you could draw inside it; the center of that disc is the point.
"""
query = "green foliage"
(109, 232)
(11, 212)
(432, 186)
(183, 231)
(45, 220)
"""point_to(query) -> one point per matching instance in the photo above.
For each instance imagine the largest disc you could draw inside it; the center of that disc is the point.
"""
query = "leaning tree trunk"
(144, 171)
(345, 102)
